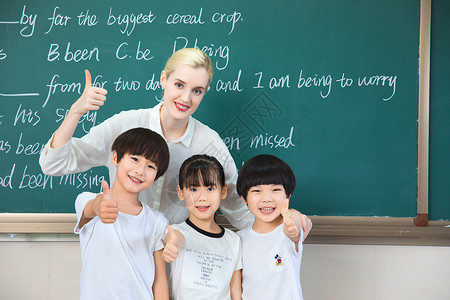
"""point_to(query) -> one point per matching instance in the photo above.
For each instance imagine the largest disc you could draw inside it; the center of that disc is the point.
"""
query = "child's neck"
(265, 227)
(208, 225)
(127, 202)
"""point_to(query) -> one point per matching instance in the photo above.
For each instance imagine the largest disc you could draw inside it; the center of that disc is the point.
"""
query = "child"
(205, 257)
(272, 247)
(120, 237)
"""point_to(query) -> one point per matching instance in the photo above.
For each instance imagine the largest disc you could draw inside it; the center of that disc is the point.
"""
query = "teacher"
(185, 80)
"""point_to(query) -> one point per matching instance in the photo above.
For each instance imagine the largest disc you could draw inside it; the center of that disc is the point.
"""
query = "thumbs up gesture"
(105, 207)
(174, 241)
(91, 99)
(292, 222)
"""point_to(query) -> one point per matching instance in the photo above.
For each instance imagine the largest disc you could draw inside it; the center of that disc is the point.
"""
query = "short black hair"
(201, 170)
(265, 169)
(144, 142)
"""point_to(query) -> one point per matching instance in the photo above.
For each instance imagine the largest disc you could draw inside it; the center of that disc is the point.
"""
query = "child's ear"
(245, 201)
(224, 192)
(114, 158)
(180, 193)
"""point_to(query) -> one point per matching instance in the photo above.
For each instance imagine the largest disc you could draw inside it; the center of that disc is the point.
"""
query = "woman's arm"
(91, 99)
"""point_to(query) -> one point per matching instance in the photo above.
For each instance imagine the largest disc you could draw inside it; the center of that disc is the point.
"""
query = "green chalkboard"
(329, 86)
(439, 187)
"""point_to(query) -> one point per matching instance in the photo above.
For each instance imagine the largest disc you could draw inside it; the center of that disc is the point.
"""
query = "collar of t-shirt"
(204, 232)
(155, 124)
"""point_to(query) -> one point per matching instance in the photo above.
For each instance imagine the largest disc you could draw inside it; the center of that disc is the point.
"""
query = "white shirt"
(94, 149)
(118, 258)
(270, 265)
(205, 265)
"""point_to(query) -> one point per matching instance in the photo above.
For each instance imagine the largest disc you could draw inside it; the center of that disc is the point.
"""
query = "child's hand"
(104, 207)
(170, 252)
(292, 222)
(91, 99)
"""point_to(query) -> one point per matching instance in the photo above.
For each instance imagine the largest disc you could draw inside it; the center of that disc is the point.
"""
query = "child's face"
(202, 202)
(266, 202)
(134, 173)
(184, 90)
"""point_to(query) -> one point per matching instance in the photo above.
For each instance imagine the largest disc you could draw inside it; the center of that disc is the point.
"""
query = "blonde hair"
(192, 57)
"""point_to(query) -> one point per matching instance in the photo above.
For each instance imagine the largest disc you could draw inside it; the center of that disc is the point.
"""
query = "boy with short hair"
(120, 237)
(272, 246)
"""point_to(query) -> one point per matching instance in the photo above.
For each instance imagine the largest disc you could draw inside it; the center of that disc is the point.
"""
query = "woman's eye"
(178, 85)
(197, 92)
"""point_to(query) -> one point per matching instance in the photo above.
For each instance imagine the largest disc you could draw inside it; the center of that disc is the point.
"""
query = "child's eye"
(211, 188)
(152, 167)
(254, 190)
(193, 189)
(134, 158)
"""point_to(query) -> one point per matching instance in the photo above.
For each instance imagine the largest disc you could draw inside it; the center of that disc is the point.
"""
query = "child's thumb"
(106, 193)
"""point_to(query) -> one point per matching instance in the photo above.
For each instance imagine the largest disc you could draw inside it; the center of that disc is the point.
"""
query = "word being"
(139, 53)
(62, 87)
(272, 141)
(29, 21)
(77, 56)
(232, 18)
(2, 54)
(228, 85)
(222, 52)
(126, 20)
(173, 19)
(378, 80)
(28, 149)
(33, 181)
(57, 20)
(82, 180)
(26, 116)
(87, 121)
(317, 81)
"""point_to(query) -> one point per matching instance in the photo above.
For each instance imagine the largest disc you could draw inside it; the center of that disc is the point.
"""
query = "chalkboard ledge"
(326, 230)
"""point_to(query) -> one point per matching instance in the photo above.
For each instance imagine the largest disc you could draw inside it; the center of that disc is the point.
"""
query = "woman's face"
(184, 90)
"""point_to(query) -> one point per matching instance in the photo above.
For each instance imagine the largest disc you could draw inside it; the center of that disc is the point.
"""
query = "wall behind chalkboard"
(328, 86)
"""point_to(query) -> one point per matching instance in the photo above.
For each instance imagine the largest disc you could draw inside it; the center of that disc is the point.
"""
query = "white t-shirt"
(117, 258)
(205, 265)
(94, 149)
(270, 265)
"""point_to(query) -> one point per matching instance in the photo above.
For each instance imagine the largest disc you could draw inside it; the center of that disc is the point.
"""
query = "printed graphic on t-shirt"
(206, 269)
(277, 259)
